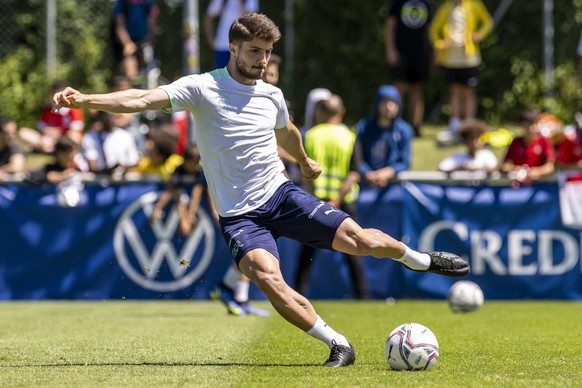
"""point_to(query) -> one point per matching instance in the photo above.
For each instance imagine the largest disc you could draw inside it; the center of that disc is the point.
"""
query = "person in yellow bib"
(336, 146)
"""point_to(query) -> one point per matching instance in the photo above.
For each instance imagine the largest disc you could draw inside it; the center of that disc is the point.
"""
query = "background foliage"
(338, 44)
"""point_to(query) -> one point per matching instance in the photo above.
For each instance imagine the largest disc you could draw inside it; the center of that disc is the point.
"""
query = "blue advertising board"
(106, 248)
(513, 238)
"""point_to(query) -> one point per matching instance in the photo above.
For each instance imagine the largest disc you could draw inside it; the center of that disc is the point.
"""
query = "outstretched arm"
(289, 138)
(124, 101)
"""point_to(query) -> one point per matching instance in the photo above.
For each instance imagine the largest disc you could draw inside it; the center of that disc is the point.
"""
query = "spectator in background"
(107, 147)
(161, 157)
(336, 147)
(458, 28)
(68, 163)
(475, 158)
(532, 155)
(386, 139)
(9, 127)
(12, 158)
(271, 74)
(409, 53)
(189, 172)
(181, 122)
(53, 124)
(134, 28)
(568, 143)
(313, 97)
(226, 11)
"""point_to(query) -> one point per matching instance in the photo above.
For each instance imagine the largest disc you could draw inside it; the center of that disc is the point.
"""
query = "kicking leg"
(352, 239)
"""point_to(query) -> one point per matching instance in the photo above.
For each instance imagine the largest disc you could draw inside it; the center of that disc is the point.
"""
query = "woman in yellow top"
(457, 29)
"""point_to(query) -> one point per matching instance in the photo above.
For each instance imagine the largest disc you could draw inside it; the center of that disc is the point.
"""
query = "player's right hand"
(310, 169)
(67, 98)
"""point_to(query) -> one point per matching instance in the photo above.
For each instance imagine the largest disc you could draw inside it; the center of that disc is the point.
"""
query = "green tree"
(82, 56)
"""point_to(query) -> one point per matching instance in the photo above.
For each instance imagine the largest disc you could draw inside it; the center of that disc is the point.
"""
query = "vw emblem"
(155, 256)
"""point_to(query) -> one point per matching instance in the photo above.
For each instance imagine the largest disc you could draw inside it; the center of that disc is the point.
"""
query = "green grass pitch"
(194, 343)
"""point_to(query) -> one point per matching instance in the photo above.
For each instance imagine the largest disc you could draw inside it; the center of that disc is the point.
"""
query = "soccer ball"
(465, 296)
(411, 346)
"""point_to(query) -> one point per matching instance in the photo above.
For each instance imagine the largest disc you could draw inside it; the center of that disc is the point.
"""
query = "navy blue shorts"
(292, 213)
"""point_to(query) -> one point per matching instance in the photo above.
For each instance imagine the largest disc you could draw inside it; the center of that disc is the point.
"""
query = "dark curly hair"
(253, 25)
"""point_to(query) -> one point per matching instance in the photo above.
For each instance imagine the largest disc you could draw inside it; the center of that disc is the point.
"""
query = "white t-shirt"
(118, 145)
(235, 132)
(484, 160)
(229, 11)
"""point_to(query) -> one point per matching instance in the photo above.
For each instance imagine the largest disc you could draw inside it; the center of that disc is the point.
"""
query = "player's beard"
(252, 73)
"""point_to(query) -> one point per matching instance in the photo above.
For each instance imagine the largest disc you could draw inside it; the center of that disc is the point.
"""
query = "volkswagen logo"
(155, 256)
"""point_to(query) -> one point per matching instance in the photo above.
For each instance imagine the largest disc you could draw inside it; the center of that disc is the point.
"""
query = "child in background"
(161, 157)
(68, 163)
(475, 158)
(568, 142)
(12, 158)
(532, 155)
(189, 172)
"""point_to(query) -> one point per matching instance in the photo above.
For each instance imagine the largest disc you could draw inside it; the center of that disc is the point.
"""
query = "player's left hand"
(310, 169)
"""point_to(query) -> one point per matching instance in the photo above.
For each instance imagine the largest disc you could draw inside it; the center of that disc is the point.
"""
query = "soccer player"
(240, 120)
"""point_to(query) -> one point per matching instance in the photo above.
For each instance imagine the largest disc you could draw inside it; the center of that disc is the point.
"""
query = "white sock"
(241, 291)
(415, 260)
(325, 333)
(231, 277)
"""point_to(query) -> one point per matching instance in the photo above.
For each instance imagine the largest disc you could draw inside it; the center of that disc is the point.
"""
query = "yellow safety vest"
(331, 145)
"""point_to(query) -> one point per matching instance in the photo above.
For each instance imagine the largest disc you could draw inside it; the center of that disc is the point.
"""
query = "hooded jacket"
(389, 146)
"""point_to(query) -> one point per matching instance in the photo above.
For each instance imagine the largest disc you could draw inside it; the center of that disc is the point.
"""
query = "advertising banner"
(513, 237)
(105, 247)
